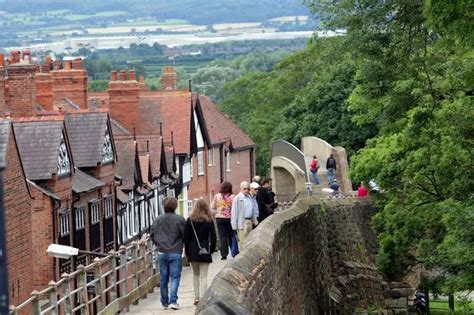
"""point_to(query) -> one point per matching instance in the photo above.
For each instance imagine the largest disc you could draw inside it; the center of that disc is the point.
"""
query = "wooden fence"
(106, 286)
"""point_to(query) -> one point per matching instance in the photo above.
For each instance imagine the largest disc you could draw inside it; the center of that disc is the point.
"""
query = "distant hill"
(194, 11)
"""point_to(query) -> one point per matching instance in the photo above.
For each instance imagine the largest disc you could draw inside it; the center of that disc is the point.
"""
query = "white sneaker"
(174, 306)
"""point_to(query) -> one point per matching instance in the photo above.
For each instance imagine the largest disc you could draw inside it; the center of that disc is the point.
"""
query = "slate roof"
(45, 191)
(4, 135)
(118, 129)
(144, 166)
(221, 128)
(154, 152)
(150, 115)
(169, 152)
(125, 165)
(82, 182)
(176, 116)
(86, 132)
(38, 142)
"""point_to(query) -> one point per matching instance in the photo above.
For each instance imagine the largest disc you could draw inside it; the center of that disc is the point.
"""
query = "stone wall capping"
(317, 254)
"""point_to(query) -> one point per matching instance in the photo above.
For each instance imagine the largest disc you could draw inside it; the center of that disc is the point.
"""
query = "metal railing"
(106, 286)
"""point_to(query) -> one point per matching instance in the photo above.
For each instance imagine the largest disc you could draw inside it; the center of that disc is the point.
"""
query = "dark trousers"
(225, 235)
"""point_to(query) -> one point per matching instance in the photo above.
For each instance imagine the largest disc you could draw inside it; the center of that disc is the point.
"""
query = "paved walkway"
(152, 305)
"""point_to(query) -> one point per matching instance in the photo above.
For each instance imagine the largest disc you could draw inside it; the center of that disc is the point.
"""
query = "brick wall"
(70, 82)
(42, 237)
(240, 169)
(18, 226)
(198, 188)
(2, 91)
(44, 90)
(124, 101)
(280, 270)
(214, 172)
(21, 98)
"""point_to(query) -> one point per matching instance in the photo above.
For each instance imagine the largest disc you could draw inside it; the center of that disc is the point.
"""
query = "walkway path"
(152, 305)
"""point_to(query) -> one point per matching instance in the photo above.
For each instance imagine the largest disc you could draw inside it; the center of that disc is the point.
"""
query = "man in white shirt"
(243, 213)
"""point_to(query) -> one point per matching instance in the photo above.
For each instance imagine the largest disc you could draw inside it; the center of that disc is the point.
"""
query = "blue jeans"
(170, 271)
(315, 177)
(330, 173)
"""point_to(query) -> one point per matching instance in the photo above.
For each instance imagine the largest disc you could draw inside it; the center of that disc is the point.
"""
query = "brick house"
(94, 153)
(47, 161)
(68, 156)
(18, 224)
(144, 182)
(232, 154)
(184, 123)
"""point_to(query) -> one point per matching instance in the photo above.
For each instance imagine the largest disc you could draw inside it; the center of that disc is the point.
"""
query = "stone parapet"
(317, 256)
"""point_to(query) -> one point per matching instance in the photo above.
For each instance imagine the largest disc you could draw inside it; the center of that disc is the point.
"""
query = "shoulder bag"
(202, 250)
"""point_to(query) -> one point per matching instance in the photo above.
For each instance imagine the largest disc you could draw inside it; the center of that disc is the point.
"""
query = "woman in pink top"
(221, 204)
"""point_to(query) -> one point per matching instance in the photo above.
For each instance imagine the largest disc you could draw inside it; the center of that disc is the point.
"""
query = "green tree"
(413, 80)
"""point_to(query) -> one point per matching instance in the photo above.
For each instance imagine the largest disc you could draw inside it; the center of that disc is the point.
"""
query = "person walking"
(265, 200)
(167, 232)
(221, 204)
(199, 243)
(313, 167)
(331, 168)
(243, 213)
(253, 193)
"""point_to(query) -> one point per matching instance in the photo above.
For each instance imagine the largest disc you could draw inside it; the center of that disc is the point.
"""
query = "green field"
(79, 17)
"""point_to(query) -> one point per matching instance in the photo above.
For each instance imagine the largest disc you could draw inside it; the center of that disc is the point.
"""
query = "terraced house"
(90, 170)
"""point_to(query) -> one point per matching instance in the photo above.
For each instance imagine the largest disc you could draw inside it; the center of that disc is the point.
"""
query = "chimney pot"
(57, 65)
(123, 75)
(14, 56)
(67, 65)
(2, 60)
(113, 76)
(131, 75)
(78, 63)
(141, 79)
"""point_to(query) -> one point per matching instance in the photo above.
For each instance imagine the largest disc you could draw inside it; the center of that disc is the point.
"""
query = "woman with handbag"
(199, 243)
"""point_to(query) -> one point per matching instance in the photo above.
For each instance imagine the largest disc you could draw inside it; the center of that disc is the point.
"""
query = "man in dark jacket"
(265, 200)
(331, 168)
(167, 233)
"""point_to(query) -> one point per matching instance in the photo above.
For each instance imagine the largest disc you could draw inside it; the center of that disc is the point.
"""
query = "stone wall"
(314, 257)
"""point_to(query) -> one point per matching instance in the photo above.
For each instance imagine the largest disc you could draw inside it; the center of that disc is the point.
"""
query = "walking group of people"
(331, 167)
(235, 217)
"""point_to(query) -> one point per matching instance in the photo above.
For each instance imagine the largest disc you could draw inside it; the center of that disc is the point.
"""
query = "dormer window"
(107, 152)
(64, 165)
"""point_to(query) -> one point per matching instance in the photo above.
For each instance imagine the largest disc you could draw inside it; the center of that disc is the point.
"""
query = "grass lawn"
(441, 307)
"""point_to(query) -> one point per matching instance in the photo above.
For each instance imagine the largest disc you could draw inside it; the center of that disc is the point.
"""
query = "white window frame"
(191, 169)
(200, 162)
(64, 228)
(80, 218)
(95, 212)
(189, 206)
(108, 207)
(227, 162)
(210, 157)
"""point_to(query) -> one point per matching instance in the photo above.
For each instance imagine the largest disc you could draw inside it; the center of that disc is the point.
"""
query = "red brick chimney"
(70, 82)
(44, 85)
(2, 85)
(141, 84)
(169, 79)
(124, 101)
(21, 96)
